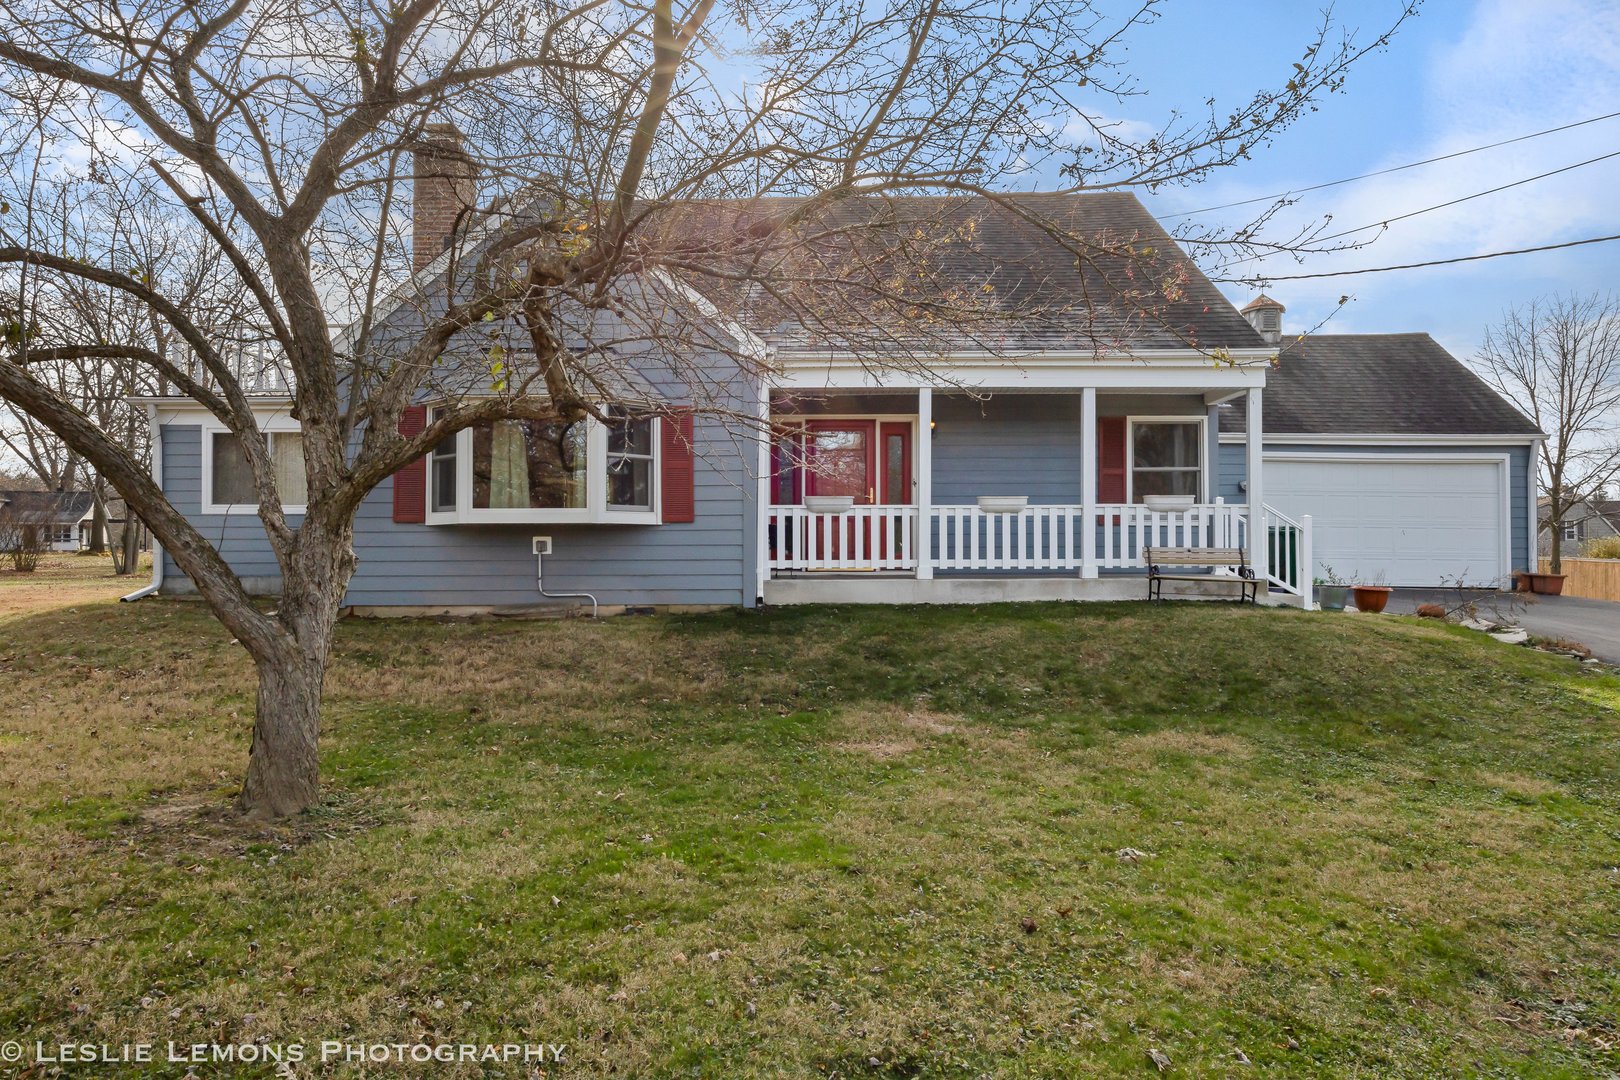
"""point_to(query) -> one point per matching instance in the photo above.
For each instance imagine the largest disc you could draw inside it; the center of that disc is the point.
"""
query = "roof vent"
(1265, 315)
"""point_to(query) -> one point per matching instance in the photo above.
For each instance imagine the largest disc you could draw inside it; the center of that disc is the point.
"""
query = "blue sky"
(1461, 74)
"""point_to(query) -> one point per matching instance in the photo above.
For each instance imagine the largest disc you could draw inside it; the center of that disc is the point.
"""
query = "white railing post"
(1088, 482)
(1307, 564)
(925, 482)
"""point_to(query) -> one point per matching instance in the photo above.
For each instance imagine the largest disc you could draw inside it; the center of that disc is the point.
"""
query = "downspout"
(157, 478)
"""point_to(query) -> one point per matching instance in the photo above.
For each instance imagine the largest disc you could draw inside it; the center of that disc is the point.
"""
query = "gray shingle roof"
(1379, 384)
(1112, 278)
(58, 507)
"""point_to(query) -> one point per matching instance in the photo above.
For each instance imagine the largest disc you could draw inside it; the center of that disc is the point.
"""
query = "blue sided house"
(1046, 468)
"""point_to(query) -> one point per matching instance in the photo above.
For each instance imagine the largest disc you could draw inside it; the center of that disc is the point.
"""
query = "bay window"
(547, 471)
(1166, 458)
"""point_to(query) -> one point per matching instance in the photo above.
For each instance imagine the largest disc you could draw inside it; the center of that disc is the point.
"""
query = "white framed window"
(227, 481)
(1572, 530)
(631, 462)
(1165, 456)
(538, 471)
(61, 534)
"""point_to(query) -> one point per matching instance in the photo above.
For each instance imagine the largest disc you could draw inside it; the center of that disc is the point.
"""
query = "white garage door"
(1415, 522)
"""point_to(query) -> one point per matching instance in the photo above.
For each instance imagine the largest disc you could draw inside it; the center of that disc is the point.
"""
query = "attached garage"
(1412, 520)
(1411, 468)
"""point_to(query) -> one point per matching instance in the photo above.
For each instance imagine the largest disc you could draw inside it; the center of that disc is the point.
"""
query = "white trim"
(1293, 439)
(1503, 462)
(1255, 485)
(1533, 497)
(922, 465)
(1239, 358)
(211, 427)
(764, 463)
(1137, 374)
(1088, 481)
(1199, 419)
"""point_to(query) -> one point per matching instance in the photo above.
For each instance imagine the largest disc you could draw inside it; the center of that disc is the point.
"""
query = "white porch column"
(762, 491)
(1254, 434)
(1088, 482)
(925, 482)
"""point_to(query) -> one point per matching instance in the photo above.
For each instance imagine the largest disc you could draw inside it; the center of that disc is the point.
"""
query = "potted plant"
(1331, 590)
(1168, 502)
(1546, 584)
(1371, 598)
(1003, 504)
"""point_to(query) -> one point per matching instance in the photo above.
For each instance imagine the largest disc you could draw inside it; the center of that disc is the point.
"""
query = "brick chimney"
(1265, 315)
(443, 190)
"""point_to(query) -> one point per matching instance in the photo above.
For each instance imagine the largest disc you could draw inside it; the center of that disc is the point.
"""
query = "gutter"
(157, 477)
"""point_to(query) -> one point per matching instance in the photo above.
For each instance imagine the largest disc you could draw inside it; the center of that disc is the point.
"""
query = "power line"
(1441, 206)
(1395, 168)
(1414, 266)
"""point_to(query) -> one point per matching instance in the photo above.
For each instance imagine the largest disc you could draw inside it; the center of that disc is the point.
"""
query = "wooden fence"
(1595, 579)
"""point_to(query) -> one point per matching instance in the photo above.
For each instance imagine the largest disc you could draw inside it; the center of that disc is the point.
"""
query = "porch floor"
(870, 588)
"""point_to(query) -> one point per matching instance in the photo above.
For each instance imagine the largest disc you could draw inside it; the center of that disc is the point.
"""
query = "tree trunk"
(283, 774)
(98, 524)
(130, 541)
(1555, 559)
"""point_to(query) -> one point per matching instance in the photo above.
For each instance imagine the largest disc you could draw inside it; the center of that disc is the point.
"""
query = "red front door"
(840, 459)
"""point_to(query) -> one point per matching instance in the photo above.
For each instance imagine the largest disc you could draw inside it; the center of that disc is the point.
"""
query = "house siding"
(707, 562)
(1027, 444)
(1234, 469)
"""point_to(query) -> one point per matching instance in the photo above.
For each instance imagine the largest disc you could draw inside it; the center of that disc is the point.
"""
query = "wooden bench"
(1159, 559)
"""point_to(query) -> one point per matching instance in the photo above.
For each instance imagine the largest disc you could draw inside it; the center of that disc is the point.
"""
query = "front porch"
(1085, 460)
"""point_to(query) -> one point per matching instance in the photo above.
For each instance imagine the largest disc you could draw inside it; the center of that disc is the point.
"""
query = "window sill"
(543, 517)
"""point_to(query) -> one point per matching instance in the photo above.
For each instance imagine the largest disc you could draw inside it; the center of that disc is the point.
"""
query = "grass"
(1036, 840)
(65, 579)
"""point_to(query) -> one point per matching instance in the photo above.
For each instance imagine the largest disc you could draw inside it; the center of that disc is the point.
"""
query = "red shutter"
(676, 459)
(410, 483)
(1110, 459)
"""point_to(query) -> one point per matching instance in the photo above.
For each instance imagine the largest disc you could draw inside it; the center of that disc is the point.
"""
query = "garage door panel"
(1414, 522)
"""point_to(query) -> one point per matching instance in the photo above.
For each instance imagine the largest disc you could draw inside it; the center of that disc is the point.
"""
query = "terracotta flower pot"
(1521, 581)
(1370, 598)
(1547, 584)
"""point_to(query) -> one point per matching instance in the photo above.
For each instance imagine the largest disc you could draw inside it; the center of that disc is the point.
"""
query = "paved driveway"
(1593, 623)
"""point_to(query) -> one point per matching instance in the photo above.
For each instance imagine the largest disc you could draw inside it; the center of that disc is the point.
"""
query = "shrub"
(1604, 547)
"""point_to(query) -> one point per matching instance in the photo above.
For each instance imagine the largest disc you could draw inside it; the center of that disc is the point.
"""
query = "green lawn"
(830, 843)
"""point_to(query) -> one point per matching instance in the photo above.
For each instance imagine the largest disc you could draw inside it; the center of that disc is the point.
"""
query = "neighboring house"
(1406, 465)
(1590, 519)
(66, 517)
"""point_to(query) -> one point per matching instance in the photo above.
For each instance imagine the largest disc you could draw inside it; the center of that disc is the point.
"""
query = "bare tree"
(648, 175)
(1558, 359)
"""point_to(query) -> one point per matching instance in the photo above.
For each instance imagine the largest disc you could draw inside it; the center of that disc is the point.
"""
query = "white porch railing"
(1037, 538)
(1288, 554)
(1128, 529)
(863, 538)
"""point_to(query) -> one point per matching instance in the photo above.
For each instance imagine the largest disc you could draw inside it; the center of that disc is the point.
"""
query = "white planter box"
(1003, 504)
(1168, 502)
(829, 504)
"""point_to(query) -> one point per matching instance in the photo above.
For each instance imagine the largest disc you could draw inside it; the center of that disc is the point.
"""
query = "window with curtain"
(529, 464)
(232, 480)
(1166, 458)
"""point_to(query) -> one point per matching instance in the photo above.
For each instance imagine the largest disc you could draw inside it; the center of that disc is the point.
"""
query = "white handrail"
(1037, 538)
